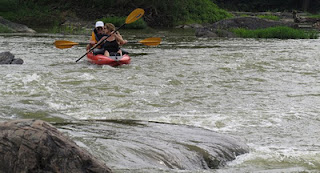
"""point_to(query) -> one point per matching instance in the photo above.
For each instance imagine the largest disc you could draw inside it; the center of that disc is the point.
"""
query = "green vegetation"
(4, 29)
(315, 16)
(269, 17)
(30, 13)
(280, 32)
(270, 5)
(195, 11)
(68, 29)
(166, 13)
(118, 21)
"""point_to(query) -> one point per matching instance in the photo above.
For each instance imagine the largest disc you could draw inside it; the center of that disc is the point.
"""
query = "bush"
(29, 13)
(195, 11)
(164, 13)
(281, 32)
(4, 29)
(118, 21)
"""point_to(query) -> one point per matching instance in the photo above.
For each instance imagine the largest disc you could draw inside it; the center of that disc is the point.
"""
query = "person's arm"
(119, 39)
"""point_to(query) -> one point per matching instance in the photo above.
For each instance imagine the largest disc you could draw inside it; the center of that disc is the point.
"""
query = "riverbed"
(265, 92)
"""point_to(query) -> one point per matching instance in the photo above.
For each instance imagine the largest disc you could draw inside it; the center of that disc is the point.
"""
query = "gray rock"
(208, 32)
(17, 61)
(8, 58)
(140, 144)
(15, 27)
(37, 146)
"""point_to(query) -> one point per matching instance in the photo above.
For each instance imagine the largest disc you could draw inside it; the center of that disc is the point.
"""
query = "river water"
(265, 92)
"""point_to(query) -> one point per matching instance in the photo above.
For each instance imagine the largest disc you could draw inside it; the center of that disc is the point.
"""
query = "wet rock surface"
(147, 145)
(37, 146)
(8, 58)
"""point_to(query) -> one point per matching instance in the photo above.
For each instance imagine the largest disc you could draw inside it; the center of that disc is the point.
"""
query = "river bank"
(223, 28)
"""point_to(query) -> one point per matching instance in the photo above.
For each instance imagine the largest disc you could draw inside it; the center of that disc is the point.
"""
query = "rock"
(17, 61)
(8, 58)
(221, 27)
(127, 144)
(248, 23)
(15, 27)
(37, 146)
(207, 32)
(190, 26)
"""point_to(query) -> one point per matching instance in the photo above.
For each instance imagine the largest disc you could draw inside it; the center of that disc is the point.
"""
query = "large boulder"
(15, 27)
(141, 145)
(8, 58)
(36, 146)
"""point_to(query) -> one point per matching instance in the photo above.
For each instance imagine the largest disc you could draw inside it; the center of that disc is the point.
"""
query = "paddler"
(96, 35)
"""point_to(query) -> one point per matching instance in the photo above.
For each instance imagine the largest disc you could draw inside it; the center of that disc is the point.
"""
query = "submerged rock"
(36, 146)
(8, 58)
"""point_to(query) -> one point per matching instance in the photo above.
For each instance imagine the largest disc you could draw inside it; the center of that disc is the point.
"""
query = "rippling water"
(266, 92)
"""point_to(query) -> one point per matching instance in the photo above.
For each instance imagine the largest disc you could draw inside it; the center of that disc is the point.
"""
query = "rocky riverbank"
(15, 27)
(221, 28)
(247, 20)
(252, 21)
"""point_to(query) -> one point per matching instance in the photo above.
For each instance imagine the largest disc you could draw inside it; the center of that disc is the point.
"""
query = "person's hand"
(116, 33)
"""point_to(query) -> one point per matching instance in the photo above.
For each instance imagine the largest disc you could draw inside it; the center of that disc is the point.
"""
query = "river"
(265, 92)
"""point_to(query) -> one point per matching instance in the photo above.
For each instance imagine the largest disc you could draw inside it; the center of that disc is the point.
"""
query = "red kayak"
(111, 60)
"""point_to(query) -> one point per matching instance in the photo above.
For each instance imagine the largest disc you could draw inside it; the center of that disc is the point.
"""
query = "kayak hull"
(111, 60)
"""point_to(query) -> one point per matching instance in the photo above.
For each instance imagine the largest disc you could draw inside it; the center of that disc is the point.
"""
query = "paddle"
(133, 16)
(64, 44)
(152, 41)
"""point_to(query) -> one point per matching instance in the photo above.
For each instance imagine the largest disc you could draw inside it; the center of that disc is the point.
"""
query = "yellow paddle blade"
(135, 15)
(64, 44)
(153, 41)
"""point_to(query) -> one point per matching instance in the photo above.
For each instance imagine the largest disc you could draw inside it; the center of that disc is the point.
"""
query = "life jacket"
(95, 36)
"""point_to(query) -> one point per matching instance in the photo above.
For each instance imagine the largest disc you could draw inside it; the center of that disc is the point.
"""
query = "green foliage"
(269, 5)
(68, 29)
(28, 13)
(269, 17)
(118, 21)
(4, 29)
(195, 11)
(314, 16)
(280, 32)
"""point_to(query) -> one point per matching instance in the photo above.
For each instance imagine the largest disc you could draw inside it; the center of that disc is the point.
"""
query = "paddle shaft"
(101, 41)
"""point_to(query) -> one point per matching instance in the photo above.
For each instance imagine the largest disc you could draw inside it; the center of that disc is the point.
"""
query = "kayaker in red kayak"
(114, 41)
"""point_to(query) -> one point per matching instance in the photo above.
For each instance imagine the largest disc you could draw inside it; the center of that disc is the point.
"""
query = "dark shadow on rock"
(8, 58)
(36, 146)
